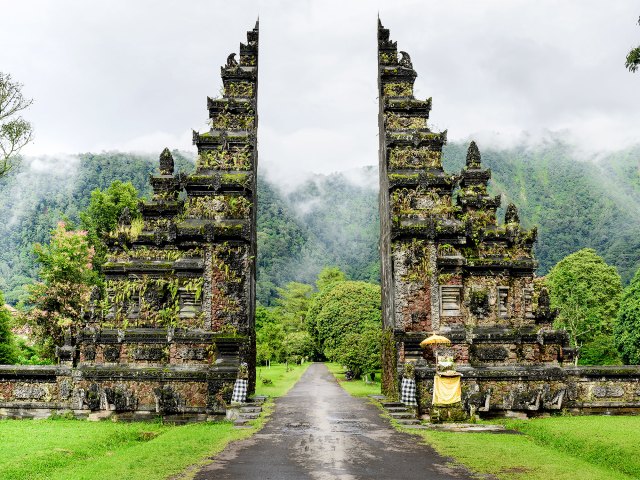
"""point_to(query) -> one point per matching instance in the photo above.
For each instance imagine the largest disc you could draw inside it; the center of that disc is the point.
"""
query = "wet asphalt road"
(318, 431)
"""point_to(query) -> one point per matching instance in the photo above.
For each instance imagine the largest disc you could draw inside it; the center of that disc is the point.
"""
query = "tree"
(298, 346)
(633, 57)
(292, 305)
(360, 352)
(15, 132)
(329, 275)
(269, 336)
(339, 310)
(586, 291)
(101, 216)
(67, 277)
(627, 327)
(7, 345)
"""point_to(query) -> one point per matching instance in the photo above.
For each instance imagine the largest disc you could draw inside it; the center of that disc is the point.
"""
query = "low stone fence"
(181, 393)
(532, 390)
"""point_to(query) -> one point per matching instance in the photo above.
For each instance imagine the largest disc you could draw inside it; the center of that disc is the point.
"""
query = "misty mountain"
(576, 203)
(333, 219)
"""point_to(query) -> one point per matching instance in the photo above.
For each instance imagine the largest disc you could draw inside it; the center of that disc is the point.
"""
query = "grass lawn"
(357, 388)
(282, 378)
(516, 457)
(79, 449)
(601, 440)
(558, 448)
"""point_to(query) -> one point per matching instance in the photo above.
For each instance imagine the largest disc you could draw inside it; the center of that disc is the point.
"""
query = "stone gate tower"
(447, 264)
(177, 318)
(180, 283)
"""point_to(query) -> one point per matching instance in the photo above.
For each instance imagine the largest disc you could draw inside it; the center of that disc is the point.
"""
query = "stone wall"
(531, 390)
(128, 392)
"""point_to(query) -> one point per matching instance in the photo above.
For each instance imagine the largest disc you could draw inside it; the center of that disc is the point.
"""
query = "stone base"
(177, 394)
(453, 413)
(530, 391)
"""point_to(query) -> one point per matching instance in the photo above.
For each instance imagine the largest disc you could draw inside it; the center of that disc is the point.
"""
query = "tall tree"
(586, 291)
(627, 328)
(7, 346)
(67, 277)
(633, 57)
(342, 309)
(329, 275)
(15, 132)
(292, 305)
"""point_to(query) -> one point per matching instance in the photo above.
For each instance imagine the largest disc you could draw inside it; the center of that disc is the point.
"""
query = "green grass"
(356, 388)
(282, 378)
(83, 450)
(562, 448)
(588, 448)
(515, 457)
(77, 449)
(601, 440)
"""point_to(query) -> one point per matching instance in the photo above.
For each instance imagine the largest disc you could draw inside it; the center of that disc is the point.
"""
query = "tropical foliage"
(101, 216)
(627, 328)
(345, 322)
(7, 345)
(67, 276)
(586, 291)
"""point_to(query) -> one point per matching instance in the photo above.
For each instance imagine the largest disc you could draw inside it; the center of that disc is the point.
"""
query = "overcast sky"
(134, 75)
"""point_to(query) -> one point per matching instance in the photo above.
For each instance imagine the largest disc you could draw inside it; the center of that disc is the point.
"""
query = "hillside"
(333, 219)
(575, 204)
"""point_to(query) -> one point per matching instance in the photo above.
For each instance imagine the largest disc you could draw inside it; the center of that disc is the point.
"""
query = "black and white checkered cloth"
(240, 391)
(408, 392)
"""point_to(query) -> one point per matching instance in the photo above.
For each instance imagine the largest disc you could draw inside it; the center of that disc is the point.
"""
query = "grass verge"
(77, 449)
(356, 388)
(562, 448)
(81, 450)
(514, 457)
(281, 377)
(606, 441)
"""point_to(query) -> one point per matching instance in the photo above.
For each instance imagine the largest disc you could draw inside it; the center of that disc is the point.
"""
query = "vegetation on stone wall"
(225, 159)
(398, 89)
(239, 89)
(394, 121)
(409, 157)
(218, 207)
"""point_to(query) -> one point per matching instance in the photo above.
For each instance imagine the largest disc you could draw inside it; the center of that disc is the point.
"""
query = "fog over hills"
(575, 201)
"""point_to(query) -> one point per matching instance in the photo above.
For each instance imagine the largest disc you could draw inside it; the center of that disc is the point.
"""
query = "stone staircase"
(402, 414)
(248, 411)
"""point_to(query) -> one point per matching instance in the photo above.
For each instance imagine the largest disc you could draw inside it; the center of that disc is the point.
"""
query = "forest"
(332, 220)
(329, 223)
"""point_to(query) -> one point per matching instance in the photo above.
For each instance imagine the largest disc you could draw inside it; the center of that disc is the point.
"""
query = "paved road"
(319, 432)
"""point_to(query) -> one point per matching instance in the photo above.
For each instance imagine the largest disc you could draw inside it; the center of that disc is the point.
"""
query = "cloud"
(135, 75)
(153, 142)
(59, 165)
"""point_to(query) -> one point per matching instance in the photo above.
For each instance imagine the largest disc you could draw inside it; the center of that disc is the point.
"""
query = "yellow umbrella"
(435, 340)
